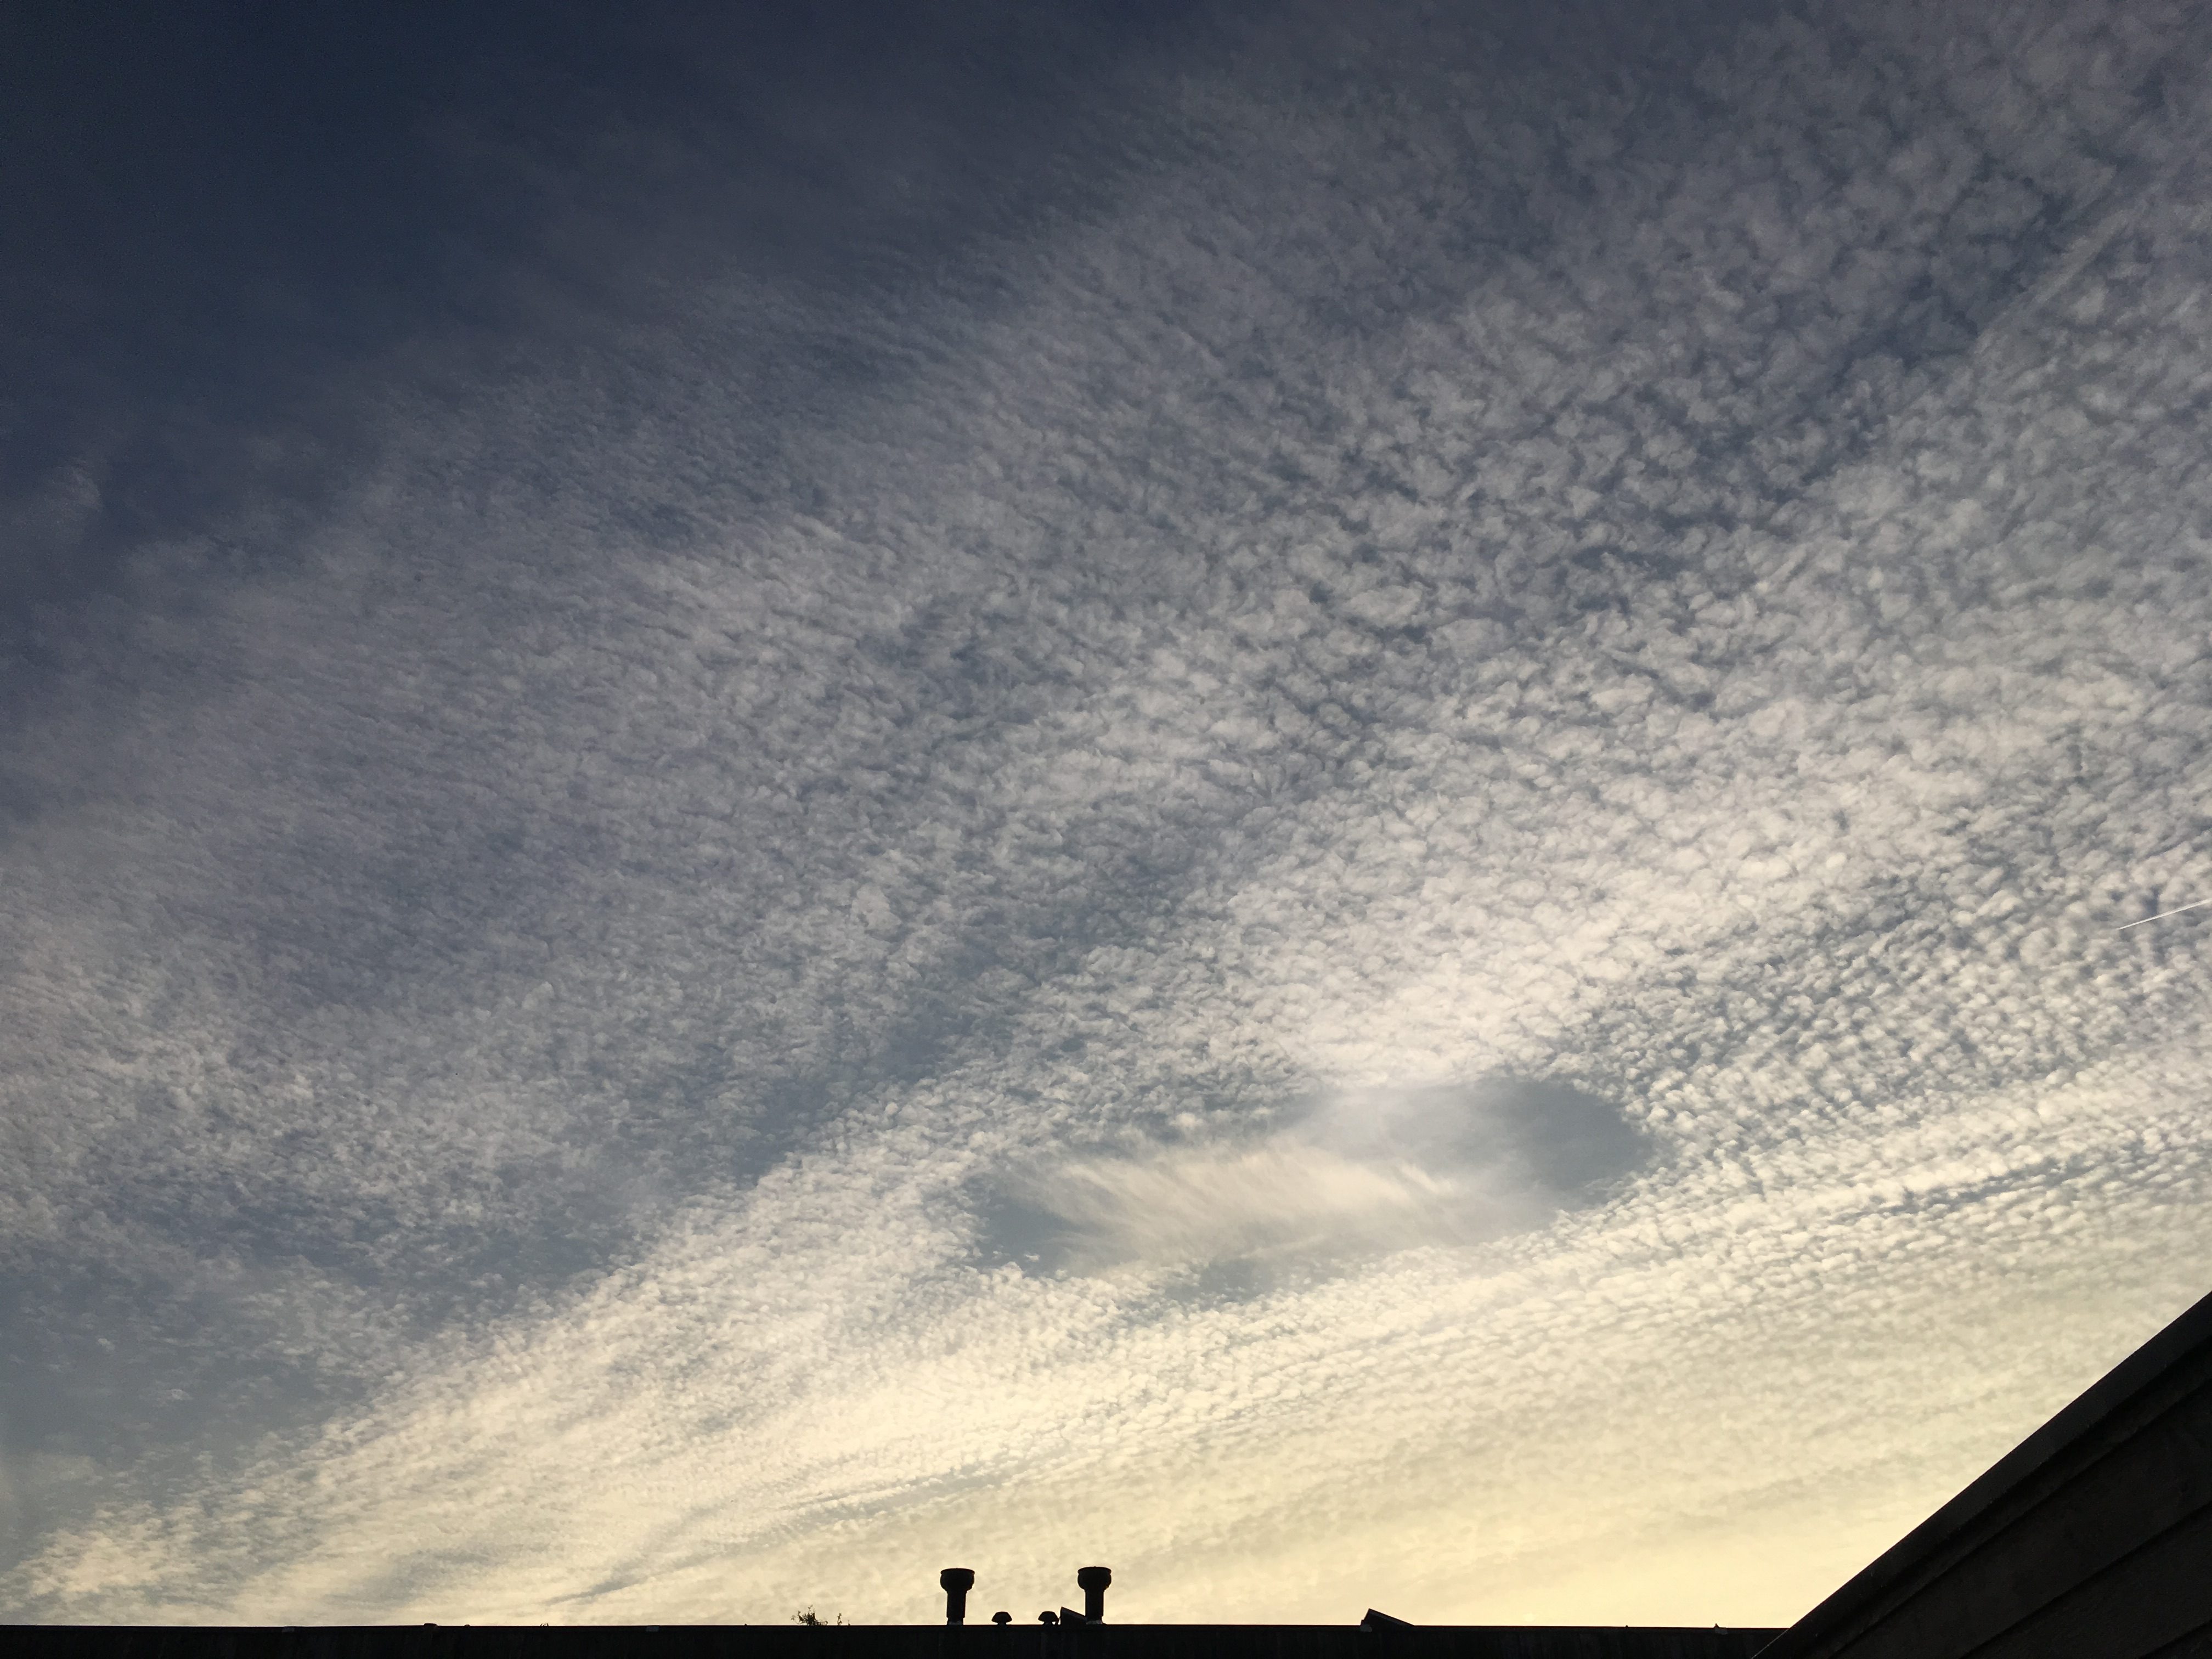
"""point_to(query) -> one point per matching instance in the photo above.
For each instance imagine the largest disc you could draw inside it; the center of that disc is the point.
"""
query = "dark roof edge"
(2191, 1330)
(987, 1632)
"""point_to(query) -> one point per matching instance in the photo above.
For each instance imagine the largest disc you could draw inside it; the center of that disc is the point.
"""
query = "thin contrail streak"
(2162, 916)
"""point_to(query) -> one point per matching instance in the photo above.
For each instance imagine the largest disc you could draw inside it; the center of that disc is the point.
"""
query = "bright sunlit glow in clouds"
(1340, 809)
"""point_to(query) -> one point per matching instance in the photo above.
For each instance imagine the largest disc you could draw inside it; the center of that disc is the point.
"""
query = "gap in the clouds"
(1331, 1180)
(111, 1374)
(200, 1338)
(251, 226)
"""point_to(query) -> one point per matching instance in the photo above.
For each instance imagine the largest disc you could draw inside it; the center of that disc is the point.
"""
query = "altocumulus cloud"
(1374, 862)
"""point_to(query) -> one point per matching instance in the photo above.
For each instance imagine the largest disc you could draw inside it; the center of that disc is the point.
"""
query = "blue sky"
(1331, 803)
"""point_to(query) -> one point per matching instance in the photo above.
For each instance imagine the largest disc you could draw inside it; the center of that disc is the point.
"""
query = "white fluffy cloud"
(1689, 599)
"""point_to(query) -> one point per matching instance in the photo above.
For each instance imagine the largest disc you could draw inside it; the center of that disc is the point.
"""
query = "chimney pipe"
(1092, 1581)
(957, 1583)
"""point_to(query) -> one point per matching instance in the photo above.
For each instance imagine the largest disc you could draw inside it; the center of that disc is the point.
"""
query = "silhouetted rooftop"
(1028, 1640)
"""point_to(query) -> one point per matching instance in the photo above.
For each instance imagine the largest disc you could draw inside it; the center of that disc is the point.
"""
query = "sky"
(1333, 801)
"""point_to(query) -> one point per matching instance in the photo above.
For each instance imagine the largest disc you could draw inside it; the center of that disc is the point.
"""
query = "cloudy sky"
(1329, 800)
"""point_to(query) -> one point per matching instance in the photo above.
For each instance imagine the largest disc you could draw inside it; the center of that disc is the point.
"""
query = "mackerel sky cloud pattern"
(1335, 804)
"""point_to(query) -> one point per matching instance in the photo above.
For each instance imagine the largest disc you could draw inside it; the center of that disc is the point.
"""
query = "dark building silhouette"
(2091, 1540)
